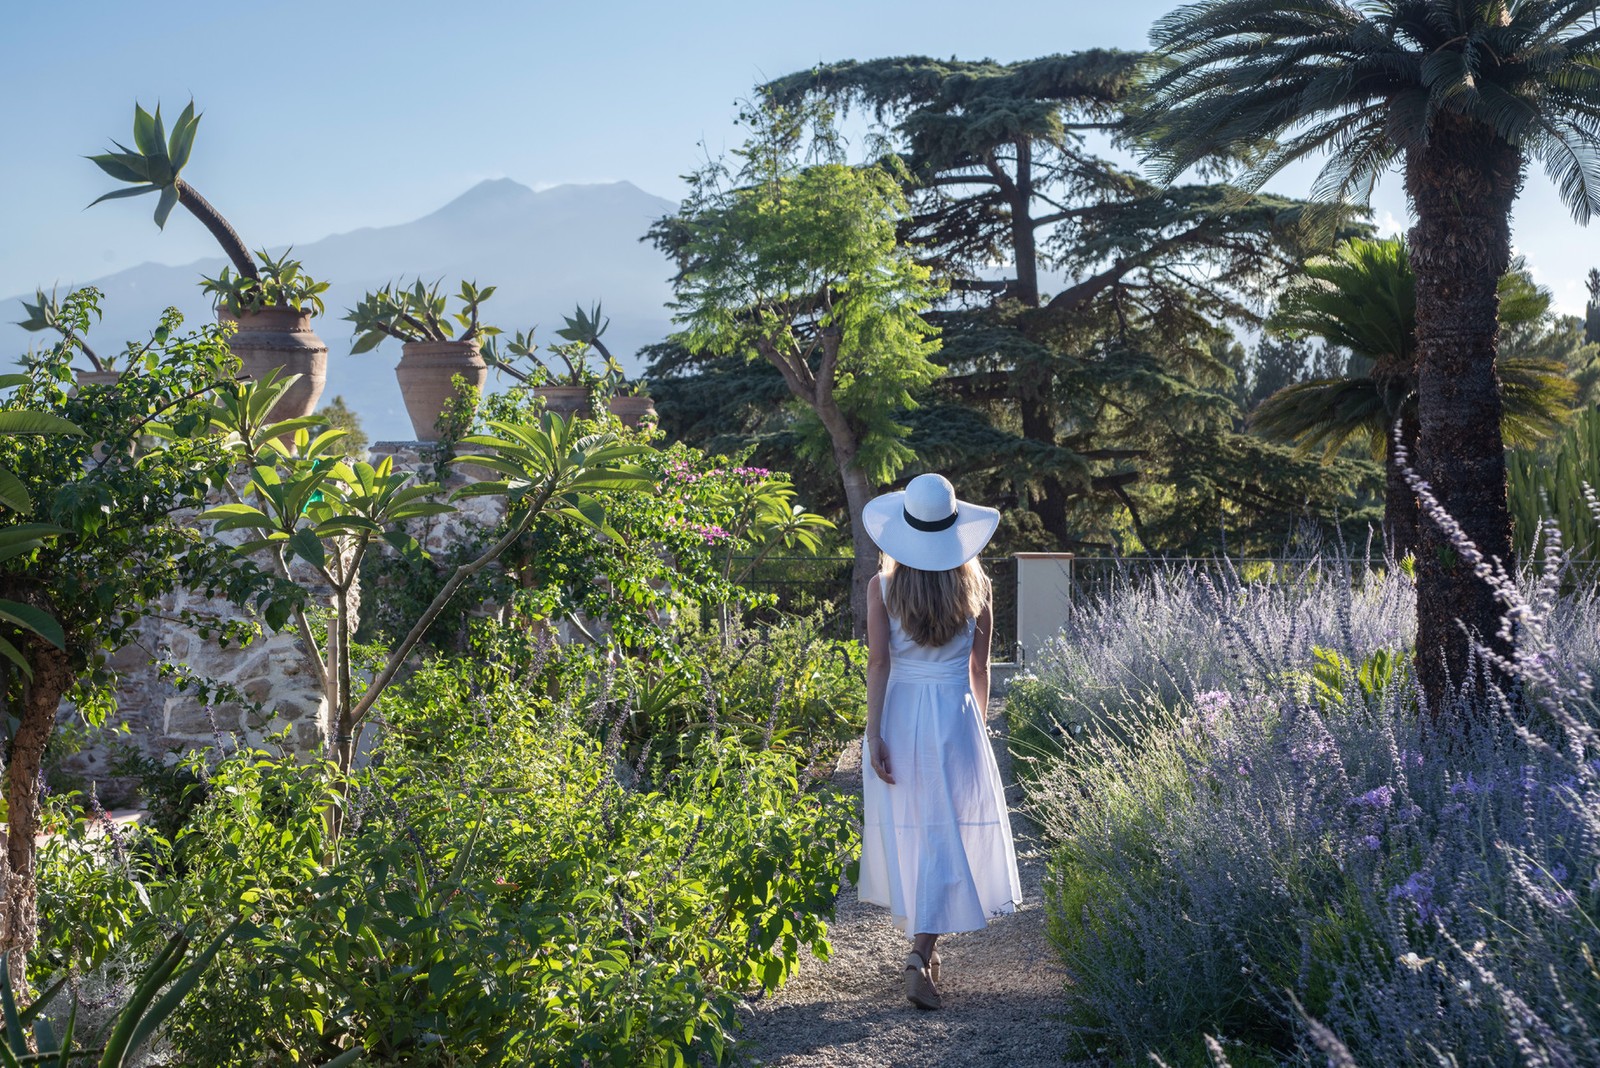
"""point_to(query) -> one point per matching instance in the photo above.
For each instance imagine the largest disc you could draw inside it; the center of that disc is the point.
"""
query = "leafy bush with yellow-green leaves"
(507, 889)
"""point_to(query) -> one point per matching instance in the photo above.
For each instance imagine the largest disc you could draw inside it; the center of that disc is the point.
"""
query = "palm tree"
(1459, 94)
(1363, 298)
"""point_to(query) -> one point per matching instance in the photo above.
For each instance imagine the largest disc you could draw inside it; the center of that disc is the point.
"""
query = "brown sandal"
(920, 990)
(933, 967)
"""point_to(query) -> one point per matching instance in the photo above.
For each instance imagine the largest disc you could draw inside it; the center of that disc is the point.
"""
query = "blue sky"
(325, 117)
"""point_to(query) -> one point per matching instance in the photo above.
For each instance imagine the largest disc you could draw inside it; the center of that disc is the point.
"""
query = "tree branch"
(399, 653)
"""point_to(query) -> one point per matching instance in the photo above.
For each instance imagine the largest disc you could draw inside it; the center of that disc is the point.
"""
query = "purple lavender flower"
(1377, 797)
(1417, 889)
(1547, 887)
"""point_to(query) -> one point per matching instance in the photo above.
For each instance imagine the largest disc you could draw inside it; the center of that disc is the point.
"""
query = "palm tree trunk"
(1402, 519)
(1462, 185)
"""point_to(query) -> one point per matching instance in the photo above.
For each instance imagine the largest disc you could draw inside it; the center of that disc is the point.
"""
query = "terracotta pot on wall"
(565, 400)
(425, 372)
(275, 338)
(90, 377)
(632, 410)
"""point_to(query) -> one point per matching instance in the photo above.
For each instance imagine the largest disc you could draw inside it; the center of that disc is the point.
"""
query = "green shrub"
(1036, 714)
(498, 895)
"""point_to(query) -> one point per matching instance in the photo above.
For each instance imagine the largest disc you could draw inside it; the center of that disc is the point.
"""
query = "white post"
(1044, 599)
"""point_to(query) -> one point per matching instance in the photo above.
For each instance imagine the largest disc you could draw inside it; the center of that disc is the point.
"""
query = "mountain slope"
(545, 251)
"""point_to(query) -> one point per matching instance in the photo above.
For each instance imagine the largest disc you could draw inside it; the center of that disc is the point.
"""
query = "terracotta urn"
(425, 372)
(565, 400)
(632, 410)
(281, 339)
(88, 377)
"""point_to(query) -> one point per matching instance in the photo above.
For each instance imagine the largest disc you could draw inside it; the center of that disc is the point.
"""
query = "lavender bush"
(1148, 643)
(1286, 854)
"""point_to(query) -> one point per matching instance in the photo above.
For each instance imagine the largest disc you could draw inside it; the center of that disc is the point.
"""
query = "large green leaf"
(124, 167)
(169, 200)
(13, 494)
(33, 619)
(19, 421)
(119, 194)
(183, 132)
(306, 545)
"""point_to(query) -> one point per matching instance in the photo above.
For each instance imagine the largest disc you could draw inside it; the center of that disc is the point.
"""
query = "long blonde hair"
(933, 606)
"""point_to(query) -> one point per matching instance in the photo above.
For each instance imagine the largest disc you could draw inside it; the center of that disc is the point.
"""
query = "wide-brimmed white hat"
(925, 527)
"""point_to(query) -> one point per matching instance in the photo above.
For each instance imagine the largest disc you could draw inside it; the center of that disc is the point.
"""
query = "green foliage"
(308, 503)
(800, 265)
(418, 313)
(171, 975)
(1363, 297)
(336, 415)
(277, 283)
(1334, 678)
(684, 538)
(1101, 408)
(116, 501)
(950, 118)
(499, 895)
(1557, 483)
(582, 333)
(157, 161)
(786, 686)
(23, 539)
(48, 313)
(1246, 81)
(1036, 722)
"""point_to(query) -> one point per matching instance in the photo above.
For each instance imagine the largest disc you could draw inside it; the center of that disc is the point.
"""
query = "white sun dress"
(936, 847)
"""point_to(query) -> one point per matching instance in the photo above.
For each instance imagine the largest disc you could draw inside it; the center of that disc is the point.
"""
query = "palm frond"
(1325, 413)
(1262, 85)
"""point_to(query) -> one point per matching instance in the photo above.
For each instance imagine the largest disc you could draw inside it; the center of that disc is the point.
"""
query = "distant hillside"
(545, 252)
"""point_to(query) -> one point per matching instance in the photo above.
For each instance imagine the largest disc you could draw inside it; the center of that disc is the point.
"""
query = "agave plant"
(28, 1039)
(45, 314)
(278, 283)
(418, 313)
(155, 165)
(1558, 482)
(581, 333)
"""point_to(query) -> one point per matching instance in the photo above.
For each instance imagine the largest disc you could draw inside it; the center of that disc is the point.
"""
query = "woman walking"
(936, 839)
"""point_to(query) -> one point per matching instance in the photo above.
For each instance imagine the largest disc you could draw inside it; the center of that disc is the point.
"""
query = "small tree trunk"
(52, 677)
(1023, 245)
(1462, 185)
(1035, 390)
(212, 219)
(858, 490)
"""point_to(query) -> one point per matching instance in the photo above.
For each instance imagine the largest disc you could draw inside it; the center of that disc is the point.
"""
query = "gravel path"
(1001, 986)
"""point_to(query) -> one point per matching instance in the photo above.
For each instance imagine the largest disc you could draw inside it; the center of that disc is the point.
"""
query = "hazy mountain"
(545, 251)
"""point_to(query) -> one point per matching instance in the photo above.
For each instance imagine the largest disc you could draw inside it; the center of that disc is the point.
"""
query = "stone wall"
(276, 674)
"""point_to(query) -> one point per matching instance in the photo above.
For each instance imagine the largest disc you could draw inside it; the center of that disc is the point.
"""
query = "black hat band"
(932, 526)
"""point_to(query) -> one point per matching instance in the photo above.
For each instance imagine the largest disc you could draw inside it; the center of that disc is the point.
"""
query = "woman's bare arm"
(877, 678)
(979, 664)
